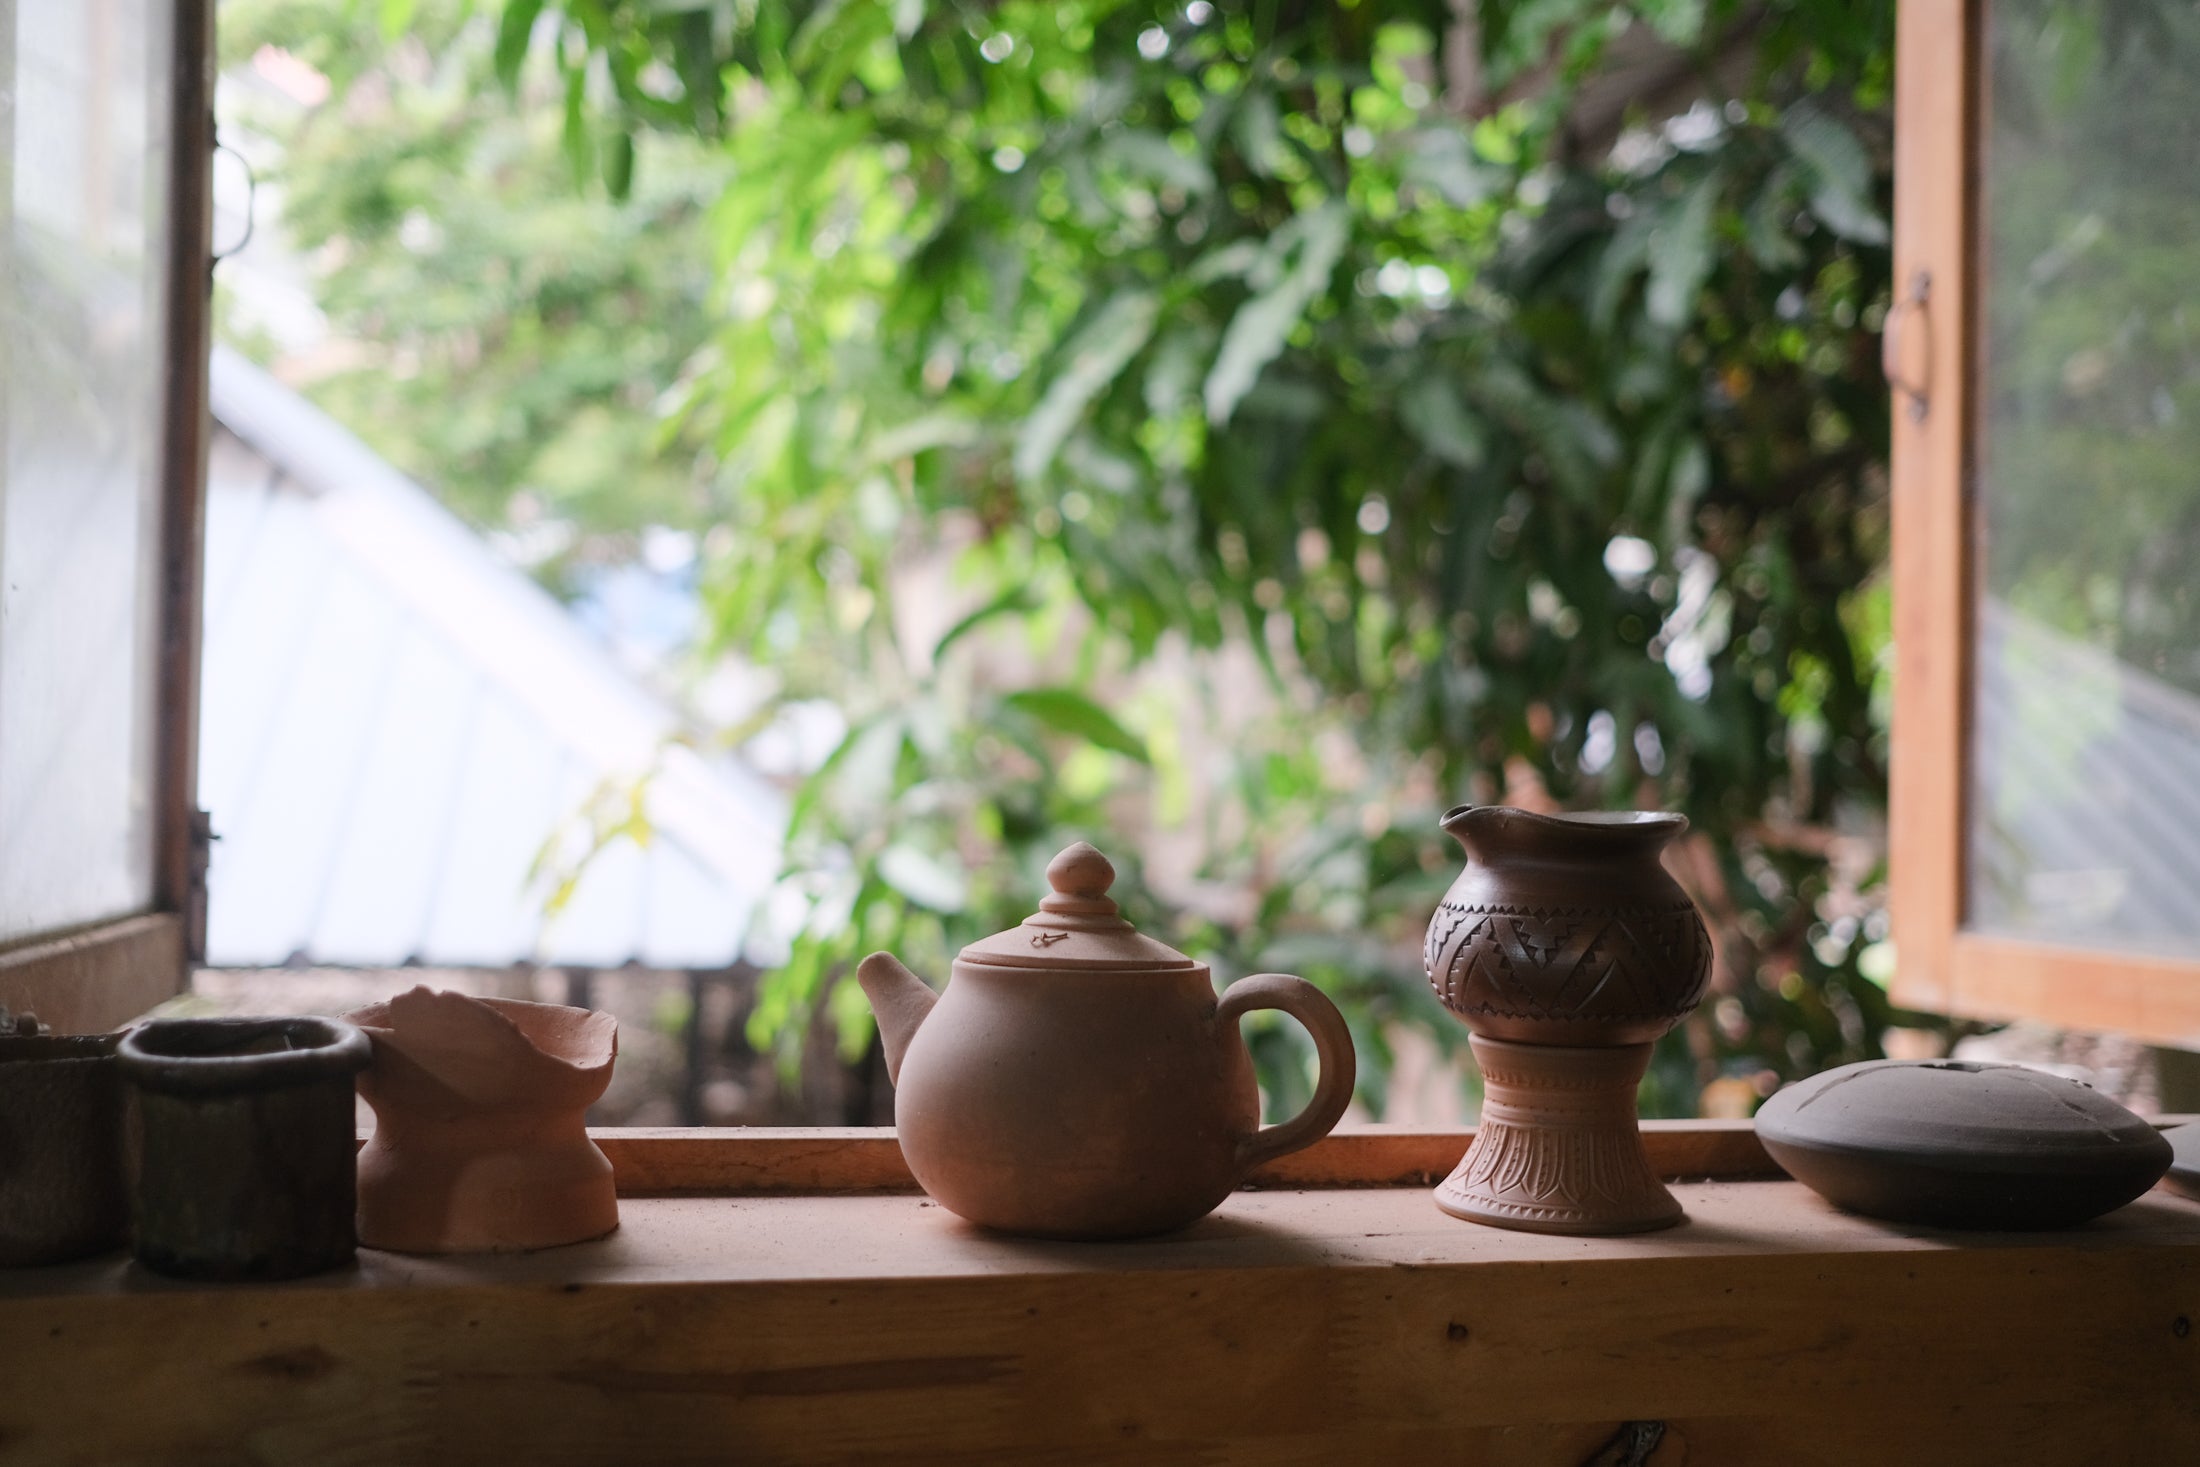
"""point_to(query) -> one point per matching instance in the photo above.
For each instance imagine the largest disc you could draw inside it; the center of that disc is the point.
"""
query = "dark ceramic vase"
(247, 1165)
(1568, 949)
(62, 1189)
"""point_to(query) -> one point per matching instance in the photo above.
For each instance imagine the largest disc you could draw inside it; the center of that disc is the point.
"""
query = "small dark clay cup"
(62, 1187)
(247, 1166)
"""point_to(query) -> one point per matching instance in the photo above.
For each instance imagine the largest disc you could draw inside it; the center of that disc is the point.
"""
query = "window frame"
(101, 975)
(1933, 360)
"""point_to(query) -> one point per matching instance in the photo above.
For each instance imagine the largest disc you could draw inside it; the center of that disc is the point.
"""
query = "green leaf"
(1071, 712)
(1622, 259)
(1766, 227)
(1015, 598)
(1259, 133)
(396, 16)
(1091, 362)
(1691, 476)
(579, 148)
(618, 165)
(922, 878)
(919, 435)
(1680, 254)
(1840, 173)
(1149, 155)
(1314, 241)
(1443, 160)
(514, 28)
(1433, 413)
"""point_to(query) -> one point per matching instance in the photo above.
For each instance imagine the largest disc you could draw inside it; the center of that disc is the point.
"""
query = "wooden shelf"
(1346, 1325)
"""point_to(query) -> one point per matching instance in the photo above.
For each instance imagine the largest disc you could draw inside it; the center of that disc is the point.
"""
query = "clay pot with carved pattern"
(1568, 949)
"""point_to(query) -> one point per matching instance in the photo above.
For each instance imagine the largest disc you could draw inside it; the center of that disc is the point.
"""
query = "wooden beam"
(1930, 349)
(1327, 1327)
(179, 834)
(2155, 999)
(96, 979)
(701, 1160)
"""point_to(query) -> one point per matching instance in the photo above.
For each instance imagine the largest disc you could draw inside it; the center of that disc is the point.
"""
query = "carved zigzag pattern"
(1567, 962)
(1512, 1164)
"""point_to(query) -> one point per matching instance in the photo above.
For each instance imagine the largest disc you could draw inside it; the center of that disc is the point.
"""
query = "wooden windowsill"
(1299, 1324)
(718, 1241)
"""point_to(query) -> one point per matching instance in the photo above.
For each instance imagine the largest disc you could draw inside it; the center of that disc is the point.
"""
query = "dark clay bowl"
(1954, 1144)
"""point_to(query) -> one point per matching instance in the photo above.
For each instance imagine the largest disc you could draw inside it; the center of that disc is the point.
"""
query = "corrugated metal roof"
(394, 724)
(2086, 825)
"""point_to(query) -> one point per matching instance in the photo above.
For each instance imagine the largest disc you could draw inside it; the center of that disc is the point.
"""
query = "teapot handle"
(1332, 1043)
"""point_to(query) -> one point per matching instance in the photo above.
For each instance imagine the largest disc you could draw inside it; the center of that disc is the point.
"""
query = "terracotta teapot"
(1080, 1080)
(1567, 949)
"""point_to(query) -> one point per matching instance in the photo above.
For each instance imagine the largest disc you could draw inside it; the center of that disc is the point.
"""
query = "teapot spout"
(900, 1000)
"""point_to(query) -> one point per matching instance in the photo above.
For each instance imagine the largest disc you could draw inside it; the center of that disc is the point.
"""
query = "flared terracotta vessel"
(1568, 950)
(481, 1134)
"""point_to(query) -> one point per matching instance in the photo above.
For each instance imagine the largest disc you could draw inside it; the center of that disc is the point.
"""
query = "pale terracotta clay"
(1080, 1080)
(480, 1139)
(1568, 949)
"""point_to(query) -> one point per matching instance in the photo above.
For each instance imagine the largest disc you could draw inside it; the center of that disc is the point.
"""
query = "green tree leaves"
(1297, 264)
(1072, 712)
(1092, 361)
(1276, 330)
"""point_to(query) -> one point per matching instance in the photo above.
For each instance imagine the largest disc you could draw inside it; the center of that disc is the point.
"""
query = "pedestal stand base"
(1558, 1150)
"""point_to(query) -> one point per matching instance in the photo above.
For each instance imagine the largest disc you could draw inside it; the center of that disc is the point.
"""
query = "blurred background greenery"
(1230, 432)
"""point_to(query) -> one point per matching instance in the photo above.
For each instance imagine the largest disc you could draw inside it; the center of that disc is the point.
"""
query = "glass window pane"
(2085, 803)
(84, 122)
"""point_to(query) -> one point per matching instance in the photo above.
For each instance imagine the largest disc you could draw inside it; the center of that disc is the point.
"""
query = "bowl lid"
(1953, 1112)
(1077, 927)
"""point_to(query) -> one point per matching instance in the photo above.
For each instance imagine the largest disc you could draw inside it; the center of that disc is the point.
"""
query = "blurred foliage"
(1314, 374)
(505, 336)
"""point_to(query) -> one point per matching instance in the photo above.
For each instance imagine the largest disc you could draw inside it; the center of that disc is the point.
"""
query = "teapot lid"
(1077, 926)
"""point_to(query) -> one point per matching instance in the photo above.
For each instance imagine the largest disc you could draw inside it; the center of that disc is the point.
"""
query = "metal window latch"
(194, 912)
(1915, 391)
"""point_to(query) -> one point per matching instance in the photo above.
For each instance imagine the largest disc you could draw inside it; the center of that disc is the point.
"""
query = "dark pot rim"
(1580, 834)
(201, 1056)
(51, 1049)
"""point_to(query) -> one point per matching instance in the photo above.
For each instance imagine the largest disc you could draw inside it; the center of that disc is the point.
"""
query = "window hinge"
(194, 904)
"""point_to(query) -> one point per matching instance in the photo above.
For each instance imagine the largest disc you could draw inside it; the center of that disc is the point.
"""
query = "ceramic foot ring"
(1558, 1149)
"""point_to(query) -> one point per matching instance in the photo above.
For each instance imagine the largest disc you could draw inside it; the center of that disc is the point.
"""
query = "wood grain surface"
(1342, 1326)
(702, 1160)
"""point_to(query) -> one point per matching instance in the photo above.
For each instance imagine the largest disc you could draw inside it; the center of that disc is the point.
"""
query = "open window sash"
(105, 209)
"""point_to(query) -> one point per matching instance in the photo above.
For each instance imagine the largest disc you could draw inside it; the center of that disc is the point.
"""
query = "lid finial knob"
(1081, 871)
(1080, 877)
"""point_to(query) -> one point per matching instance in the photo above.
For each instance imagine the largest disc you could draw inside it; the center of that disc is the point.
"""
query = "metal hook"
(251, 201)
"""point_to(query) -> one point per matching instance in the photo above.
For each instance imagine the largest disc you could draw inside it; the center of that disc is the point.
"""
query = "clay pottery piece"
(1567, 949)
(246, 1147)
(1080, 1080)
(63, 1193)
(481, 1124)
(1957, 1144)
